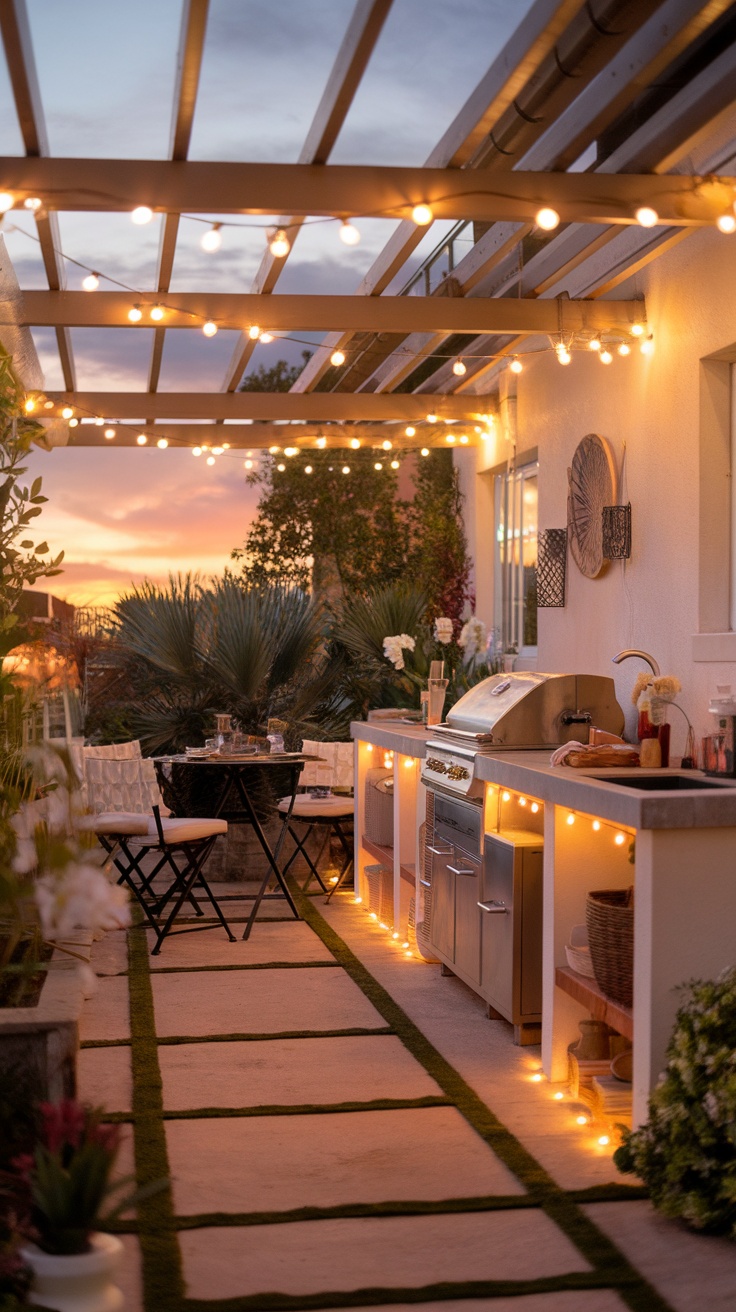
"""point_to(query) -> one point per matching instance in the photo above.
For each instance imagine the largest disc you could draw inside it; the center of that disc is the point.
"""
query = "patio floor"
(343, 1127)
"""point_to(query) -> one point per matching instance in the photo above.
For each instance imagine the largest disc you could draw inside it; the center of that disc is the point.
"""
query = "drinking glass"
(437, 690)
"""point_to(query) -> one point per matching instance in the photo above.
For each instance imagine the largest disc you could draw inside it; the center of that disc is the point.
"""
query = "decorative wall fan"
(592, 485)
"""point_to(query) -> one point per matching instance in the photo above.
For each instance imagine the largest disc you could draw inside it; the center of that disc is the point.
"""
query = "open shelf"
(409, 873)
(383, 854)
(587, 993)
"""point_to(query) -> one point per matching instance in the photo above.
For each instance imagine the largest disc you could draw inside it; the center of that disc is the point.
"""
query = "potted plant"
(61, 1192)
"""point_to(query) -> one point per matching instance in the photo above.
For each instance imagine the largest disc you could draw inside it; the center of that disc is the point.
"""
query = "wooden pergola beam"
(335, 190)
(380, 314)
(320, 407)
(259, 437)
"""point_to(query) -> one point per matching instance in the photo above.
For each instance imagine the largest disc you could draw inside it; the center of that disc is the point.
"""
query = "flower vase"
(76, 1282)
(664, 743)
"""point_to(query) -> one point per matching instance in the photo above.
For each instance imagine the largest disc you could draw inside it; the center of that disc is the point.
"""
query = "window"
(515, 558)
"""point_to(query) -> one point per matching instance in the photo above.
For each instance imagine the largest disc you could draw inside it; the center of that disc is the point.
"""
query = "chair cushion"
(123, 823)
(182, 830)
(309, 808)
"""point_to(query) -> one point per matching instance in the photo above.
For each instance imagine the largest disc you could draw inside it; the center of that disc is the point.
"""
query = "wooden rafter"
(261, 436)
(323, 407)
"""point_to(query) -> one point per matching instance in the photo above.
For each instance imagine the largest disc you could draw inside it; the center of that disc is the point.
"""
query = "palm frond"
(160, 625)
(366, 621)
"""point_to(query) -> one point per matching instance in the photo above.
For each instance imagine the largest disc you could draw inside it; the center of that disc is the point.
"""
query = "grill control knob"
(438, 767)
(458, 772)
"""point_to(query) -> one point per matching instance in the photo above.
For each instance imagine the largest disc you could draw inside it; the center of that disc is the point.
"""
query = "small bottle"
(276, 741)
(424, 705)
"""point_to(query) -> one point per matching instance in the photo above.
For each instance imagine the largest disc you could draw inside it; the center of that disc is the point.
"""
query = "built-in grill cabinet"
(485, 910)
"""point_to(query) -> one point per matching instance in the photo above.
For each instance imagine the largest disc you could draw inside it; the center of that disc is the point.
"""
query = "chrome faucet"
(643, 655)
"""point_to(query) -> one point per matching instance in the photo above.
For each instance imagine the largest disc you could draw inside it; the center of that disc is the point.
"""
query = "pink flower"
(64, 1123)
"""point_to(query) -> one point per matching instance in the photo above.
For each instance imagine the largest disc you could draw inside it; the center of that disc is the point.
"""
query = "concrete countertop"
(580, 790)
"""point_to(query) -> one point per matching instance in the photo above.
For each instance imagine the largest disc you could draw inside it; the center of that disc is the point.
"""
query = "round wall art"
(592, 485)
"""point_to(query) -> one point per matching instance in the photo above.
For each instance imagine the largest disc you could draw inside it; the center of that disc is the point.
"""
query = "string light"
(212, 240)
(422, 215)
(142, 214)
(346, 469)
(73, 423)
(254, 332)
(505, 797)
(162, 444)
(91, 282)
(355, 443)
(196, 450)
(337, 358)
(141, 439)
(307, 469)
(450, 438)
(281, 468)
(547, 219)
(459, 369)
(637, 330)
(349, 234)
(534, 807)
(726, 223)
(605, 357)
(604, 1140)
(321, 443)
(378, 465)
(217, 450)
(623, 348)
(274, 450)
(135, 314)
(464, 439)
(48, 405)
(558, 1096)
(571, 818)
(394, 464)
(248, 464)
(620, 839)
(386, 445)
(581, 1120)
(431, 419)
(265, 338)
(536, 1078)
(157, 313)
(29, 405)
(646, 217)
(32, 203)
(291, 451)
(67, 412)
(279, 244)
(424, 451)
(596, 825)
(594, 344)
(109, 434)
(209, 328)
(563, 355)
(647, 346)
(7, 201)
(210, 460)
(516, 366)
(410, 430)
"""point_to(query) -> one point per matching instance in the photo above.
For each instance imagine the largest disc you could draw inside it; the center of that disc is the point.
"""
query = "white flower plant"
(53, 890)
(466, 657)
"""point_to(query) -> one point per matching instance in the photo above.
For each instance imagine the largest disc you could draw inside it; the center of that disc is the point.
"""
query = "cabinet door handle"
(425, 883)
(458, 870)
(494, 908)
(439, 851)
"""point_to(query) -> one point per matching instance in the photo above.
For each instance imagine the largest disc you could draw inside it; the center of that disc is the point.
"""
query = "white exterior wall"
(650, 406)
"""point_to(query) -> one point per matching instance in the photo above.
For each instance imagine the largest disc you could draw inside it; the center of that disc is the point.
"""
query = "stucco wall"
(648, 407)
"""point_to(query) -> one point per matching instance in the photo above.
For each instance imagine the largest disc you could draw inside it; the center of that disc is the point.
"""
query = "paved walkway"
(344, 1127)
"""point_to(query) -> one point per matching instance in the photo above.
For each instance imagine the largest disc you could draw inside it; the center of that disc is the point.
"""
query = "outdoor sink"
(666, 783)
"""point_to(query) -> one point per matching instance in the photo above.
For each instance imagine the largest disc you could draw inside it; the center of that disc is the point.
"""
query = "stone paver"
(267, 943)
(567, 1301)
(104, 1078)
(106, 1015)
(275, 1163)
(315, 1256)
(290, 1071)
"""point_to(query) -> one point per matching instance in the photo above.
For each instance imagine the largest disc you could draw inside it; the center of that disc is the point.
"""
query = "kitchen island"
(683, 871)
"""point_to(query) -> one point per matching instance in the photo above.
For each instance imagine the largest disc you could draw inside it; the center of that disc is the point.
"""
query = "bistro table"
(231, 785)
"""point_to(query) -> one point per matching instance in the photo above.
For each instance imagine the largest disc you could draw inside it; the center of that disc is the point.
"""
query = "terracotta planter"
(78, 1282)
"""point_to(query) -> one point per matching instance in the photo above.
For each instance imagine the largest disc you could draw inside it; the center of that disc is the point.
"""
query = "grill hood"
(533, 710)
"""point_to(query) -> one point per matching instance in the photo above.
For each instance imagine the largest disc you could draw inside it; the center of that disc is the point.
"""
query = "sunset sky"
(106, 73)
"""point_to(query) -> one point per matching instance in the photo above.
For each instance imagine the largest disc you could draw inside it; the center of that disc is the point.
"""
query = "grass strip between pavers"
(353, 1032)
(592, 1243)
(157, 1225)
(293, 1109)
(247, 965)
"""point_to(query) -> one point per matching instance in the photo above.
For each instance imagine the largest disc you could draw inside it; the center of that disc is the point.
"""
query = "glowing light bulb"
(382, 926)
(505, 797)
(217, 450)
(394, 464)
(596, 825)
(424, 451)
(378, 465)
(647, 346)
(623, 348)
(281, 468)
(604, 1140)
(7, 201)
(355, 443)
(67, 412)
(291, 451)
(620, 839)
(516, 366)
(558, 1096)
(73, 423)
(522, 801)
(196, 450)
(464, 439)
(386, 445)
(357, 900)
(91, 282)
(563, 355)
(33, 203)
(142, 214)
(646, 217)
(605, 357)
(226, 446)
(726, 223)
(337, 358)
(209, 328)
(265, 338)
(431, 419)
(279, 245)
(162, 444)
(157, 313)
(410, 430)
(547, 219)
(394, 935)
(594, 344)
(409, 954)
(254, 332)
(141, 439)
(210, 460)
(99, 422)
(571, 819)
(346, 469)
(321, 443)
(212, 240)
(536, 1078)
(581, 1120)
(307, 469)
(48, 405)
(637, 330)
(459, 369)
(109, 434)
(248, 464)
(373, 915)
(135, 314)
(349, 233)
(274, 450)
(451, 439)
(422, 215)
(29, 405)
(534, 807)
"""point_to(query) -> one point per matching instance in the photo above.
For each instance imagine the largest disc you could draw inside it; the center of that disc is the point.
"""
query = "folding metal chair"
(312, 809)
(178, 845)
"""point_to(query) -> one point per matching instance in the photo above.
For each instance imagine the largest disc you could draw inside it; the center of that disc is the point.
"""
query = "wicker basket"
(609, 915)
(378, 825)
